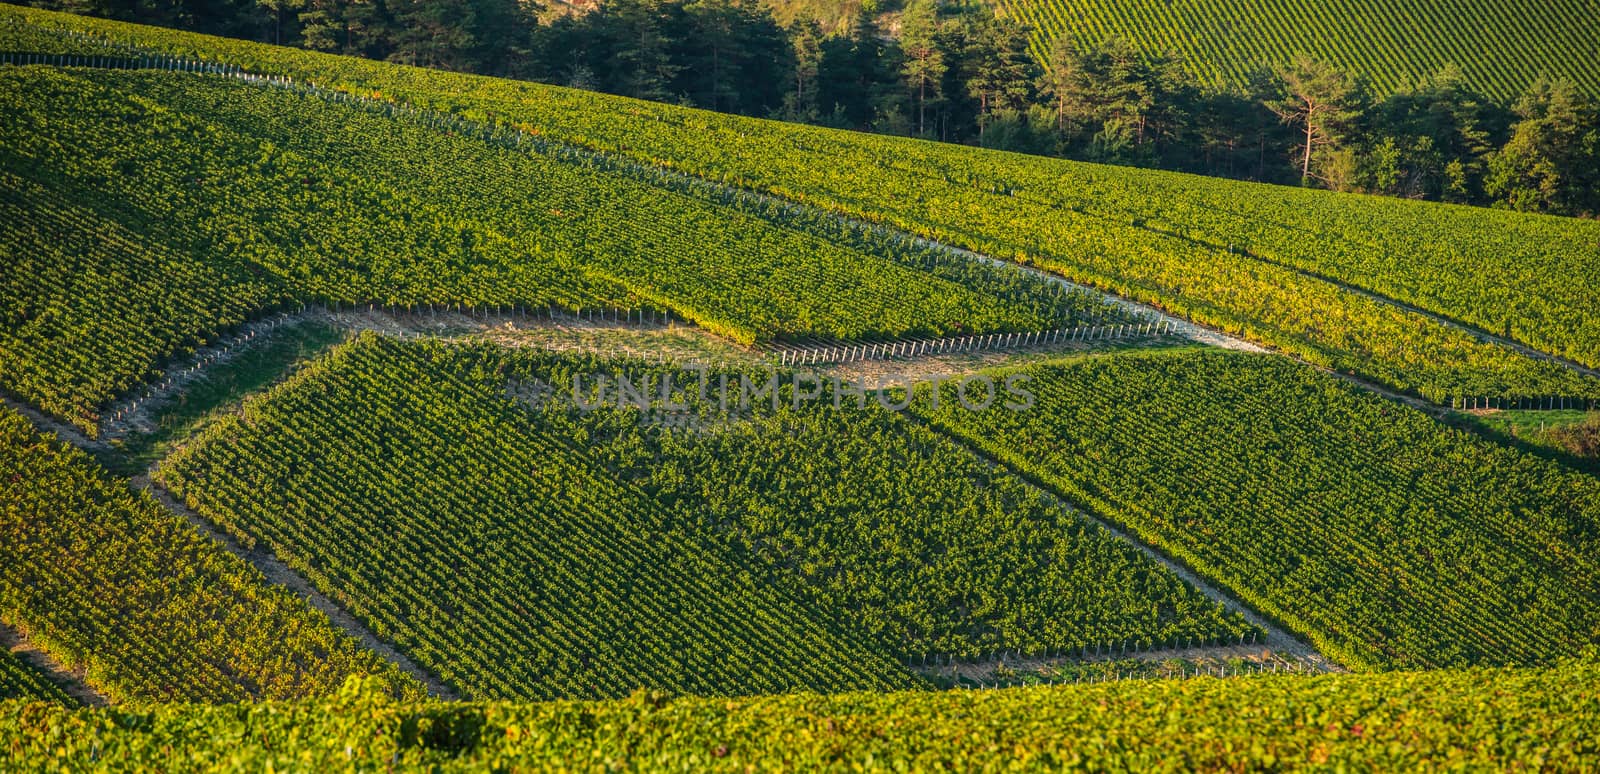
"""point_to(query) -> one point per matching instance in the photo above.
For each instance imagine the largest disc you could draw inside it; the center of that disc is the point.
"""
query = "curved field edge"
(1416, 721)
(253, 198)
(1012, 206)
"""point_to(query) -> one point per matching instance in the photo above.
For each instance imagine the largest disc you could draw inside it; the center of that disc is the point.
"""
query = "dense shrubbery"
(189, 204)
(401, 481)
(1385, 538)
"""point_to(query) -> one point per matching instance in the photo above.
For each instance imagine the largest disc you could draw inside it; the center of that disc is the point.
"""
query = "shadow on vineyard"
(220, 388)
(448, 475)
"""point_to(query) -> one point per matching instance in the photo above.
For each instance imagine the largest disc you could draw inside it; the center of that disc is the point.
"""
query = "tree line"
(960, 74)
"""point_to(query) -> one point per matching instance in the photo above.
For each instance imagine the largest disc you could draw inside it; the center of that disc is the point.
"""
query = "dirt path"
(69, 681)
(133, 414)
(49, 424)
(280, 574)
(137, 414)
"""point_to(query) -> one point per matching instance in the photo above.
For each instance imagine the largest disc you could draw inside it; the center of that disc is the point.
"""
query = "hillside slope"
(1385, 538)
(113, 585)
(1502, 46)
(523, 547)
(1328, 277)
(148, 212)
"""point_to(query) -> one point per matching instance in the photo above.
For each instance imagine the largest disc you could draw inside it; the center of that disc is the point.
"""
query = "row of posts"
(171, 380)
(1184, 672)
(1119, 649)
(1531, 403)
(637, 316)
(849, 353)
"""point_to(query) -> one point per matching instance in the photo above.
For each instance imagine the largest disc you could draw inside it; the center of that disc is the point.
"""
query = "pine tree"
(924, 66)
(1322, 100)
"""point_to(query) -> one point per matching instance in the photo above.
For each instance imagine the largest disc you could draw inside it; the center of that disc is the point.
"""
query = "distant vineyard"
(1503, 46)
(1387, 539)
(524, 553)
(19, 681)
(107, 581)
(255, 198)
(1475, 720)
(1264, 262)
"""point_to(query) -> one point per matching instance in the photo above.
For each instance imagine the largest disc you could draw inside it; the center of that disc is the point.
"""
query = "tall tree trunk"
(1305, 162)
(922, 106)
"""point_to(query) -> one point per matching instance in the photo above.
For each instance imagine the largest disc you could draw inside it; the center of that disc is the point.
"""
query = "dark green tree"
(923, 67)
(1552, 161)
(1002, 72)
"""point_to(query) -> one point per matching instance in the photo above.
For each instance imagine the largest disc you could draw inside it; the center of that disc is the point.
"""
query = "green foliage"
(19, 37)
(1484, 719)
(1552, 162)
(1255, 260)
(1385, 538)
(217, 389)
(189, 204)
(107, 581)
(20, 681)
(1501, 46)
(494, 543)
(88, 304)
(403, 482)
(931, 550)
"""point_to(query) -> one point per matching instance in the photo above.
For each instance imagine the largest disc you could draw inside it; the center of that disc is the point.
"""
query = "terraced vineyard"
(1502, 46)
(1406, 721)
(544, 554)
(110, 583)
(1271, 273)
(111, 175)
(1387, 539)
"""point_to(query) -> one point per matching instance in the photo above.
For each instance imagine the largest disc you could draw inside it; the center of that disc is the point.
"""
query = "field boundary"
(275, 571)
(71, 682)
(280, 574)
(1278, 638)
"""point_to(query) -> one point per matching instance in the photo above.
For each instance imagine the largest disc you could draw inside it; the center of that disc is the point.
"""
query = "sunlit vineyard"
(492, 553)
(20, 681)
(1387, 539)
(110, 583)
(523, 553)
(1254, 272)
(329, 316)
(1503, 46)
(133, 171)
(1483, 719)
